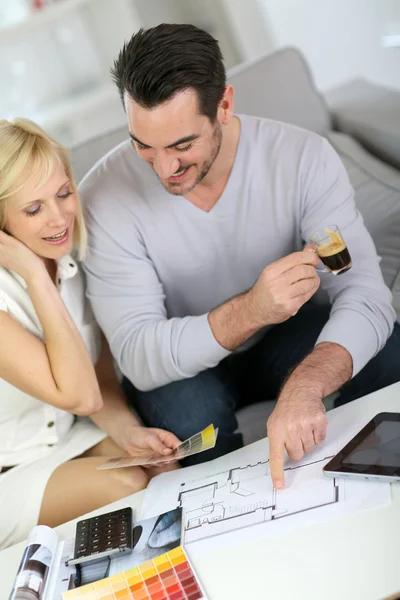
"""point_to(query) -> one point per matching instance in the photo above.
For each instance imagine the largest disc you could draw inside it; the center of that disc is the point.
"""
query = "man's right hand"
(280, 291)
(283, 287)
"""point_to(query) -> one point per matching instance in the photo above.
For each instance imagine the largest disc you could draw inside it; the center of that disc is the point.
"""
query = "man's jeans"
(187, 406)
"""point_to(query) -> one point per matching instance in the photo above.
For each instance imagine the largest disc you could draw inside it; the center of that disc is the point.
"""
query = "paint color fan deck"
(166, 577)
(199, 442)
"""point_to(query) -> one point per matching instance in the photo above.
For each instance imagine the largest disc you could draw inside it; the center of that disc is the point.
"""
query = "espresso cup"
(331, 249)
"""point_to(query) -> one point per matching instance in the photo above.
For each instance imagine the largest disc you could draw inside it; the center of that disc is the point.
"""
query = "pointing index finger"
(276, 462)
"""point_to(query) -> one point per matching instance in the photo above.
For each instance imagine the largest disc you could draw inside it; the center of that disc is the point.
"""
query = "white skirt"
(22, 487)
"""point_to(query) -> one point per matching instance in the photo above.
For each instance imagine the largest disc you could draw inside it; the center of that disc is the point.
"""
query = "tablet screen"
(375, 450)
(381, 447)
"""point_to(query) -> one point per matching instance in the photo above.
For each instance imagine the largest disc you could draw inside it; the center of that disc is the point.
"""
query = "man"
(196, 268)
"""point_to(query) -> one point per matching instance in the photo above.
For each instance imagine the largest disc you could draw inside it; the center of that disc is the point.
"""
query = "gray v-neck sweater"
(157, 265)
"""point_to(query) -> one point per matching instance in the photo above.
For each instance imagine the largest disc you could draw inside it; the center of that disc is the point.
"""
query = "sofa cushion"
(377, 196)
(280, 86)
(371, 114)
(396, 295)
(85, 155)
(252, 420)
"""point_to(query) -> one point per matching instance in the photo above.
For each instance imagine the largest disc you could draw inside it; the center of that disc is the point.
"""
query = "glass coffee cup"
(331, 249)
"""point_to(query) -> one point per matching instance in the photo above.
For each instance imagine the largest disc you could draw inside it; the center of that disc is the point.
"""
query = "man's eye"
(185, 148)
(140, 146)
(30, 213)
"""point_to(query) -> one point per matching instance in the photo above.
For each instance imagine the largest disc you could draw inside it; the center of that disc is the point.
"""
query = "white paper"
(61, 575)
(233, 495)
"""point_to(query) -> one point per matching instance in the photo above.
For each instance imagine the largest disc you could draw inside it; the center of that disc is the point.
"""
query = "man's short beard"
(215, 148)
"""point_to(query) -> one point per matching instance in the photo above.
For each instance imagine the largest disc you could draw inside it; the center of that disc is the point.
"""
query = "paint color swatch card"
(165, 577)
(204, 440)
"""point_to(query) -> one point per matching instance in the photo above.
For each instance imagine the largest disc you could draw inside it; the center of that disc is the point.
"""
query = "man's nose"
(165, 165)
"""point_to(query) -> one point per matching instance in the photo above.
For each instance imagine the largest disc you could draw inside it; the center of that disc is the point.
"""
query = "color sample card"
(204, 440)
(166, 577)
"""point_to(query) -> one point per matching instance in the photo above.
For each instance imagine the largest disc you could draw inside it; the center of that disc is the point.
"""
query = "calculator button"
(103, 533)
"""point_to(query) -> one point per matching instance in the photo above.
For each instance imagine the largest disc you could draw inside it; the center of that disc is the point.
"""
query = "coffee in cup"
(331, 249)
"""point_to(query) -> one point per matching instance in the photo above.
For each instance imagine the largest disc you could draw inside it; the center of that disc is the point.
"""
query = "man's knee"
(381, 371)
(187, 406)
(385, 366)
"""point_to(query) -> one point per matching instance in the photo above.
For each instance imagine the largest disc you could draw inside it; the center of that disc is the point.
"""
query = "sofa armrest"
(371, 114)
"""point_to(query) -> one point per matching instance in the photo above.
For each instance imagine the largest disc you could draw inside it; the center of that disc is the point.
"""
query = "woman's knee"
(129, 480)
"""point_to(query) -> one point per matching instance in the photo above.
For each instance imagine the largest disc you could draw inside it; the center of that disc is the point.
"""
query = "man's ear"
(226, 105)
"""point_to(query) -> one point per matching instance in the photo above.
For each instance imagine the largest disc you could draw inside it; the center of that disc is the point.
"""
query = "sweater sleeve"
(128, 301)
(362, 316)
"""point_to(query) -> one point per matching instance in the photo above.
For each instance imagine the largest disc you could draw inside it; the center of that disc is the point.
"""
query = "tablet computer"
(374, 453)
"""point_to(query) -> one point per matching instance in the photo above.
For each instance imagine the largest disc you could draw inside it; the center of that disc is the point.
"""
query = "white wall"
(207, 14)
(247, 23)
(341, 39)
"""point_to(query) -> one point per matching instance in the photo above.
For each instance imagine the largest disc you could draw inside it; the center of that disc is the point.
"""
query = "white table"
(357, 557)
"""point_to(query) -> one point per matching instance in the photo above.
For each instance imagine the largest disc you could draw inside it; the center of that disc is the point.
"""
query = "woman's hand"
(15, 256)
(145, 441)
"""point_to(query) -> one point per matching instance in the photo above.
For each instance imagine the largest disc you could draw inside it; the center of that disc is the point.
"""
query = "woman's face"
(42, 216)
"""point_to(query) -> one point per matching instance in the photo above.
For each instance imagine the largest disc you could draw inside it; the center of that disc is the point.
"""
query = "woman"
(49, 449)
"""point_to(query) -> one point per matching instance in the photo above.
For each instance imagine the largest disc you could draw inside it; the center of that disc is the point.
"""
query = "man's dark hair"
(159, 62)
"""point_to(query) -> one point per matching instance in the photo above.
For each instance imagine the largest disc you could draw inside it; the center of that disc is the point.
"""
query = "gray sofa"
(361, 121)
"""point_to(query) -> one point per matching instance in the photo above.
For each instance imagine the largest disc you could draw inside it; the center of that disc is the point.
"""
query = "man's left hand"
(297, 424)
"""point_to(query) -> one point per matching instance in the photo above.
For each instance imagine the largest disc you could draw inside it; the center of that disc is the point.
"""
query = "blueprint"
(244, 496)
(234, 494)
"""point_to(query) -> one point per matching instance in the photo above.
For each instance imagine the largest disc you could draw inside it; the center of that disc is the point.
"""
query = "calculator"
(107, 535)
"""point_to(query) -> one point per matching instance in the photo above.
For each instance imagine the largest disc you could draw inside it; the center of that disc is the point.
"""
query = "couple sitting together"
(197, 286)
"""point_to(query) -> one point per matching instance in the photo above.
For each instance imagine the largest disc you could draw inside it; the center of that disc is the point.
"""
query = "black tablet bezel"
(336, 463)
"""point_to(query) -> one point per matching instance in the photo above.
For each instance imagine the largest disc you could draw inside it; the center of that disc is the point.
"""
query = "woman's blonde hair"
(25, 149)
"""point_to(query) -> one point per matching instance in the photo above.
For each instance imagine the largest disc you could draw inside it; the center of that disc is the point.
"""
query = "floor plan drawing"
(244, 496)
(231, 499)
